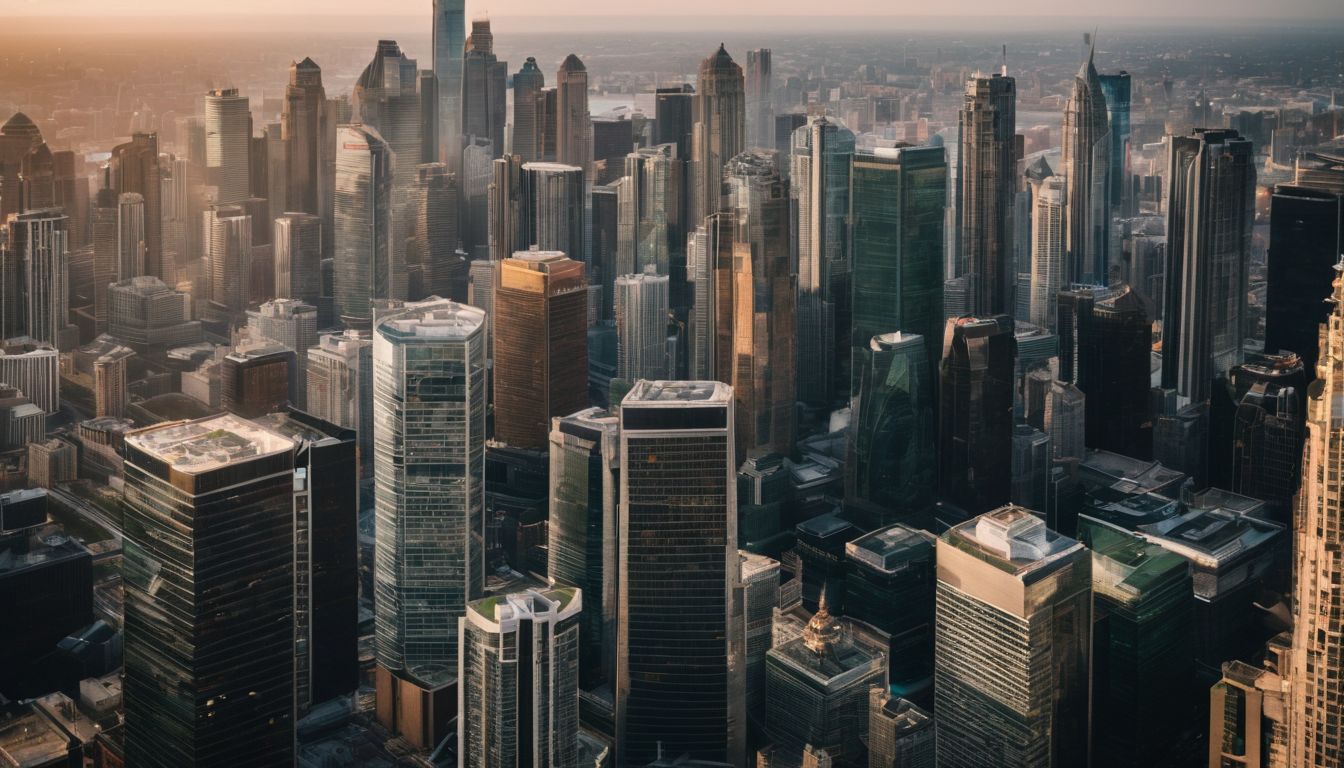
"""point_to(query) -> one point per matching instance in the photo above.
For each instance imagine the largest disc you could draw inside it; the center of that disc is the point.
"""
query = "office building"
(976, 412)
(1210, 210)
(1106, 350)
(228, 257)
(760, 600)
(36, 276)
(434, 206)
(484, 77)
(896, 211)
(135, 169)
(1306, 237)
(819, 189)
(297, 251)
(584, 486)
(385, 98)
(719, 131)
(209, 505)
(760, 109)
(1270, 396)
(34, 369)
(1116, 91)
(449, 35)
(143, 311)
(519, 680)
(307, 131)
(986, 185)
(573, 126)
(641, 326)
(110, 395)
(256, 378)
(554, 196)
(1086, 164)
(900, 734)
(1013, 637)
(294, 324)
(1033, 458)
(891, 470)
(1047, 248)
(679, 675)
(540, 311)
(710, 260)
(817, 689)
(340, 387)
(649, 218)
(228, 140)
(429, 474)
(889, 585)
(364, 269)
(1315, 697)
(527, 84)
(1063, 421)
(1248, 713)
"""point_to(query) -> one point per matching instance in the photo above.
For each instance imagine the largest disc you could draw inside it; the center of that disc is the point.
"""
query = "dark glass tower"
(1306, 237)
(209, 509)
(1105, 342)
(679, 677)
(986, 186)
(976, 412)
(891, 472)
(896, 203)
(1268, 429)
(450, 29)
(1116, 89)
(890, 581)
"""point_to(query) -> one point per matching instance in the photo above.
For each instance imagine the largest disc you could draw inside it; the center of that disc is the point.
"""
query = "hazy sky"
(1282, 9)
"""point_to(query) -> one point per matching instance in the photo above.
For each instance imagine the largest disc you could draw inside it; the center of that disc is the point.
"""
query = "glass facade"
(449, 35)
(362, 267)
(1306, 237)
(1086, 160)
(1116, 90)
(976, 413)
(896, 202)
(429, 440)
(680, 678)
(889, 584)
(986, 186)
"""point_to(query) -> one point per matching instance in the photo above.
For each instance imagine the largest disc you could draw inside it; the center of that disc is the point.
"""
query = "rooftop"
(1011, 538)
(895, 340)
(891, 549)
(29, 739)
(200, 446)
(546, 167)
(48, 545)
(907, 716)
(503, 612)
(432, 318)
(671, 393)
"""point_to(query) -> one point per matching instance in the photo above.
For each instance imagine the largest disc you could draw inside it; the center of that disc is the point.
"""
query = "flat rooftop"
(1011, 538)
(671, 393)
(200, 446)
(20, 553)
(890, 549)
(28, 739)
(441, 319)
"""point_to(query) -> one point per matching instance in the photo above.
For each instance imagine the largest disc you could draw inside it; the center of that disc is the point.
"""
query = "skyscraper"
(649, 219)
(340, 387)
(1048, 265)
(760, 112)
(900, 734)
(719, 132)
(1306, 237)
(527, 84)
(1087, 156)
(891, 469)
(434, 206)
(896, 211)
(307, 130)
(1270, 395)
(1210, 211)
(679, 675)
(364, 268)
(385, 99)
(256, 378)
(130, 236)
(1105, 341)
(293, 323)
(1065, 406)
(519, 680)
(228, 232)
(976, 412)
(37, 273)
(297, 249)
(585, 486)
(889, 584)
(228, 137)
(540, 311)
(554, 195)
(136, 170)
(709, 260)
(429, 474)
(209, 505)
(763, 291)
(1013, 639)
(483, 89)
(448, 38)
(573, 126)
(641, 326)
(1116, 90)
(986, 184)
(819, 190)
(1315, 696)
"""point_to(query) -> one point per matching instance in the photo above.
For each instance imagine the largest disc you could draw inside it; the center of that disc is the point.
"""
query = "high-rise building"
(540, 312)
(364, 268)
(1248, 716)
(429, 474)
(209, 506)
(228, 257)
(1106, 350)
(434, 203)
(817, 688)
(307, 131)
(1306, 237)
(294, 324)
(509, 208)
(760, 600)
(762, 290)
(256, 378)
(228, 140)
(36, 274)
(340, 387)
(900, 734)
(1210, 211)
(1033, 458)
(1087, 158)
(1013, 643)
(109, 382)
(484, 79)
(891, 469)
(585, 486)
(1116, 90)
(1065, 408)
(641, 326)
(130, 236)
(976, 412)
(709, 265)
(819, 189)
(135, 166)
(1141, 651)
(1271, 401)
(35, 370)
(449, 35)
(760, 111)
(896, 210)
(649, 218)
(385, 99)
(573, 126)
(297, 250)
(519, 680)
(889, 585)
(986, 185)
(1047, 248)
(554, 195)
(679, 674)
(104, 234)
(527, 84)
(143, 311)
(1315, 697)
(719, 132)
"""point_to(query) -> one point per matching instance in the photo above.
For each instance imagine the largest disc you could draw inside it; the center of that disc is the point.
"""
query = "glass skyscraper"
(1012, 644)
(975, 412)
(986, 185)
(680, 671)
(1306, 237)
(363, 267)
(896, 202)
(429, 466)
(449, 35)
(1087, 156)
(719, 132)
(1116, 90)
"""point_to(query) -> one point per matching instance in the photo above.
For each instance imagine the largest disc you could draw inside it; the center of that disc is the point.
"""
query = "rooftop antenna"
(1003, 69)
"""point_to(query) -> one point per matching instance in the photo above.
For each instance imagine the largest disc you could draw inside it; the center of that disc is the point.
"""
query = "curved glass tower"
(363, 223)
